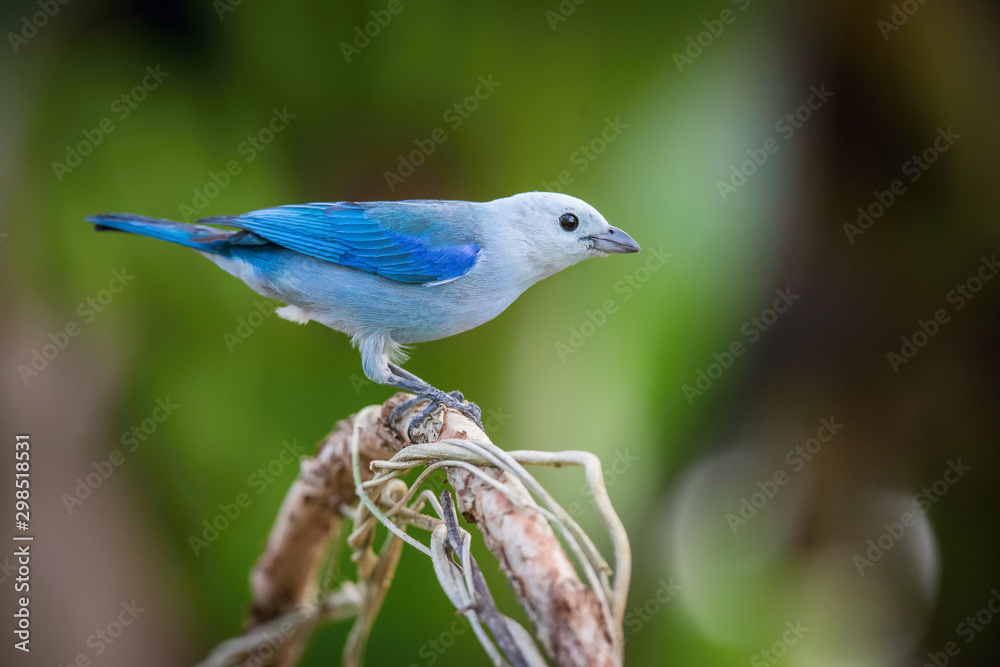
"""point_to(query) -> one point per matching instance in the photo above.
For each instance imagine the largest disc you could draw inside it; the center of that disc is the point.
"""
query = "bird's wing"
(419, 241)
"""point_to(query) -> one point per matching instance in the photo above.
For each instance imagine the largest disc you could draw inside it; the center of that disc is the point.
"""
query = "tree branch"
(571, 621)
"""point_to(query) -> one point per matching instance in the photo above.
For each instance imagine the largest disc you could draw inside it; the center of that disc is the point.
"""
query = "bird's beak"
(613, 240)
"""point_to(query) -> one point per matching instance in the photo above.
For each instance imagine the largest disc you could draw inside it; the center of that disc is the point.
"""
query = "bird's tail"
(199, 237)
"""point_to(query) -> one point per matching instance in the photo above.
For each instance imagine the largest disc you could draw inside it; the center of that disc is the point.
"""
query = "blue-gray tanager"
(390, 274)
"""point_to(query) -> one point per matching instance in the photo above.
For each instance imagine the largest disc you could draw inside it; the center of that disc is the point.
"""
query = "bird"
(391, 274)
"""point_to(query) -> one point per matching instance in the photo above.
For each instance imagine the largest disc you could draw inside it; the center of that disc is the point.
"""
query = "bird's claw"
(453, 399)
(401, 408)
(472, 411)
(456, 400)
(467, 408)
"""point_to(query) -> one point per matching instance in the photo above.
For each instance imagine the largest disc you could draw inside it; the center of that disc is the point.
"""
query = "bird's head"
(556, 231)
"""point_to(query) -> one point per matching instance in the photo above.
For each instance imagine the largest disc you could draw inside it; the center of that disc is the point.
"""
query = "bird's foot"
(401, 408)
(454, 400)
(467, 408)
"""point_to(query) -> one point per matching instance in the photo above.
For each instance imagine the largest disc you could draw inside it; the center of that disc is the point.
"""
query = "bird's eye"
(568, 221)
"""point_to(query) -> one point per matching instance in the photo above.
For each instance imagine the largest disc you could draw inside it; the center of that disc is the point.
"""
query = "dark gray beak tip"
(614, 241)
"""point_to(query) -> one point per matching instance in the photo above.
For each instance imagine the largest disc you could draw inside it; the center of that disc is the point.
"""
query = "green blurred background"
(562, 75)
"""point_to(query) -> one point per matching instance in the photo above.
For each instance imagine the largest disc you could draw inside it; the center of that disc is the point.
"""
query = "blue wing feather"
(411, 242)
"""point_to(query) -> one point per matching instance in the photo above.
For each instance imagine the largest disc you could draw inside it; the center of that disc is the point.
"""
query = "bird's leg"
(407, 381)
(402, 372)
